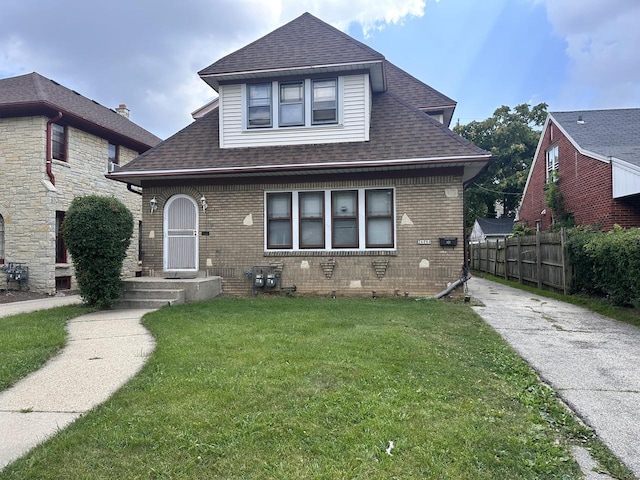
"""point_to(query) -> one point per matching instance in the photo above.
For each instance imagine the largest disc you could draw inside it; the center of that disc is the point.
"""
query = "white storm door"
(181, 234)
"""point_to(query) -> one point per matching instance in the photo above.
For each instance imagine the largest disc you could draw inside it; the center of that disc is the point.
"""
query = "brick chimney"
(123, 110)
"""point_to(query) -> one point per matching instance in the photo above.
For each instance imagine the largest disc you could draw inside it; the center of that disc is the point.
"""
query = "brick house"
(327, 168)
(594, 155)
(55, 145)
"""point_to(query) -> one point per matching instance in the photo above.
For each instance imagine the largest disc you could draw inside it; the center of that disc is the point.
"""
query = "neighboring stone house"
(594, 156)
(491, 229)
(322, 166)
(55, 145)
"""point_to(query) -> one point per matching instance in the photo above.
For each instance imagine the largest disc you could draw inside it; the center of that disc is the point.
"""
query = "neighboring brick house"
(491, 229)
(594, 155)
(322, 164)
(55, 145)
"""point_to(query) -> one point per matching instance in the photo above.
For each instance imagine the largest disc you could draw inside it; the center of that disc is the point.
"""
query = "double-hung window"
(379, 218)
(58, 142)
(350, 219)
(279, 220)
(259, 105)
(552, 164)
(311, 213)
(325, 101)
(344, 219)
(291, 104)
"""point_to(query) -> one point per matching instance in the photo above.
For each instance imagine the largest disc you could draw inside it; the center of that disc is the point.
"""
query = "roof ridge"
(357, 43)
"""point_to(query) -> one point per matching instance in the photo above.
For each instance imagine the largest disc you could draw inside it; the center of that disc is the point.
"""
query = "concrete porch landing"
(156, 292)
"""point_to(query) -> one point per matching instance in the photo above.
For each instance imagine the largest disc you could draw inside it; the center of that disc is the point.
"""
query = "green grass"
(316, 388)
(598, 305)
(28, 340)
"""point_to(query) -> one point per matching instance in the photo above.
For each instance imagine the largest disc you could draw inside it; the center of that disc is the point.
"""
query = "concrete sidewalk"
(590, 360)
(104, 350)
(27, 306)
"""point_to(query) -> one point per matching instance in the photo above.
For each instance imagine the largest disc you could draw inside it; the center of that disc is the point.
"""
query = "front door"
(181, 234)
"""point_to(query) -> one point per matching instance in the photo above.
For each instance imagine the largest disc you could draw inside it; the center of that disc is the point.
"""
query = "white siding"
(353, 124)
(626, 179)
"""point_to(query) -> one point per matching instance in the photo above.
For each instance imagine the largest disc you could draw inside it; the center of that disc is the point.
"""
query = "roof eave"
(476, 162)
(48, 109)
(375, 68)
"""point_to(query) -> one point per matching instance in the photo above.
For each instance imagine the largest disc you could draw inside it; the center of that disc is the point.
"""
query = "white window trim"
(295, 221)
(308, 106)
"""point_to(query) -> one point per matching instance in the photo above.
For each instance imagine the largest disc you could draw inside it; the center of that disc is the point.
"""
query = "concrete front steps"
(154, 292)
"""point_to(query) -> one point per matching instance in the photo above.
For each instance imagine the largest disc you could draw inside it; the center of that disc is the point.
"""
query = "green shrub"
(97, 231)
(606, 263)
(615, 257)
(582, 263)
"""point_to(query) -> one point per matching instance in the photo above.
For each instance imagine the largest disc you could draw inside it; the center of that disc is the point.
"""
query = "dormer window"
(291, 104)
(259, 105)
(325, 101)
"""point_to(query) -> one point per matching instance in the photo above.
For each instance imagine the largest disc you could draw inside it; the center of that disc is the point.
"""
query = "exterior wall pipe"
(131, 189)
(48, 163)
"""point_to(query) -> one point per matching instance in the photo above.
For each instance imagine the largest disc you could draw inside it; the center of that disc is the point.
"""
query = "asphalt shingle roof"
(614, 133)
(398, 131)
(413, 90)
(496, 226)
(35, 89)
(304, 41)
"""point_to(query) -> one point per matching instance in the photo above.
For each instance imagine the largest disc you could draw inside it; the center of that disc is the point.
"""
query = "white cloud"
(602, 39)
(371, 15)
(147, 53)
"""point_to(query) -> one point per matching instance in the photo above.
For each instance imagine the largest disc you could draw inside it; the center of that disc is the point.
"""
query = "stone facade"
(231, 239)
(29, 201)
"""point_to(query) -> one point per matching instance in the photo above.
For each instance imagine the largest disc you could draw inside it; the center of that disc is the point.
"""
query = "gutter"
(48, 163)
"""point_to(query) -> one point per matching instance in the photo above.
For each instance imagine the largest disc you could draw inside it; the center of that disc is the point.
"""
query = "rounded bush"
(97, 231)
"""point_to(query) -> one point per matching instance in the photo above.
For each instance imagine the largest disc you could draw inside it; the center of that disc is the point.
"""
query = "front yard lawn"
(293, 388)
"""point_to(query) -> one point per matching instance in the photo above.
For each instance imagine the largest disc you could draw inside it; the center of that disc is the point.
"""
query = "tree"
(97, 231)
(512, 138)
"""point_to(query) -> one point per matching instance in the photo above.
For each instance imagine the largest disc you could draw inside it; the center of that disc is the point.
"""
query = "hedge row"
(606, 263)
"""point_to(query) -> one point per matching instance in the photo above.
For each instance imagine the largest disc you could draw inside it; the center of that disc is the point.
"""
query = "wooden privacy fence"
(539, 260)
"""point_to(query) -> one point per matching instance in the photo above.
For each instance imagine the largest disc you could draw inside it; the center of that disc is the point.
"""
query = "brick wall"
(427, 208)
(586, 187)
(28, 202)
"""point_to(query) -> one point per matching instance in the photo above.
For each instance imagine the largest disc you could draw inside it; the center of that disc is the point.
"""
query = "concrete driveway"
(593, 362)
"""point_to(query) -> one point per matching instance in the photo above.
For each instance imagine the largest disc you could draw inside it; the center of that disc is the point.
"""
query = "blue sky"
(483, 54)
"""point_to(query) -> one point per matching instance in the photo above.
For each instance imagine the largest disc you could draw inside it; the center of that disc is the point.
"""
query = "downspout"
(52, 179)
(130, 188)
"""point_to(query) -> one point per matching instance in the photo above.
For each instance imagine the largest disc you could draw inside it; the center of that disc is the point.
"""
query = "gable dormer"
(304, 83)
